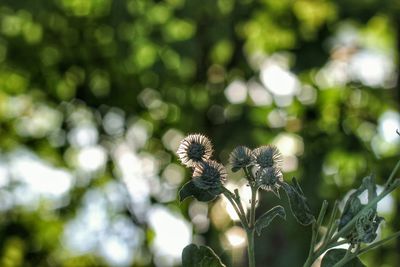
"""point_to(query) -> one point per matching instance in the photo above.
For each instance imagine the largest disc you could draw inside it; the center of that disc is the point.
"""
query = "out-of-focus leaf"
(191, 190)
(267, 218)
(200, 256)
(298, 203)
(335, 255)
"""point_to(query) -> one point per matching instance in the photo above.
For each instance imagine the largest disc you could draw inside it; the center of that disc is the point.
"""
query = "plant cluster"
(356, 226)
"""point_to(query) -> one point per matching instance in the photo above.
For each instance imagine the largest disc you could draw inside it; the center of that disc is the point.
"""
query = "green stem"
(252, 217)
(253, 206)
(345, 259)
(248, 175)
(250, 247)
(391, 177)
(321, 214)
(239, 203)
(315, 228)
(311, 251)
(230, 196)
(331, 225)
(322, 250)
(377, 244)
(368, 248)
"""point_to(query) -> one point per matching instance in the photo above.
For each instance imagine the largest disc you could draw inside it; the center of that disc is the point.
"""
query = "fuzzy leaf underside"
(335, 255)
(267, 218)
(298, 203)
(191, 190)
(200, 256)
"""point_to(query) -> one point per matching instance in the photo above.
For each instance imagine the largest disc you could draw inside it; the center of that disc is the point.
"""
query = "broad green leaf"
(335, 255)
(200, 256)
(189, 189)
(267, 218)
(298, 203)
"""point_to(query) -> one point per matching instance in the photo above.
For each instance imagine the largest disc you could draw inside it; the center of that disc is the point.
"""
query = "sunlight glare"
(389, 122)
(172, 234)
(279, 81)
(92, 158)
(372, 68)
(259, 94)
(83, 135)
(236, 92)
(38, 175)
(236, 236)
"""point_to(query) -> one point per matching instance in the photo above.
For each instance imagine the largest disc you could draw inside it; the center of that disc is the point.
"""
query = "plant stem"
(345, 259)
(231, 198)
(315, 228)
(311, 251)
(389, 181)
(377, 244)
(322, 250)
(349, 256)
(250, 247)
(239, 203)
(253, 206)
(321, 215)
(248, 174)
(332, 224)
(252, 217)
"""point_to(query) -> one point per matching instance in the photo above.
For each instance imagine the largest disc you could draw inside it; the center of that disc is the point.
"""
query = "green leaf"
(367, 224)
(202, 256)
(191, 190)
(267, 218)
(298, 203)
(335, 255)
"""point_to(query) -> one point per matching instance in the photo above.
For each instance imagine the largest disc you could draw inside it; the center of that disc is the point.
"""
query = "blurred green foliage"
(145, 73)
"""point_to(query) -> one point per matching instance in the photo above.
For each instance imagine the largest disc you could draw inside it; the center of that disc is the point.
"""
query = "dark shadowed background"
(95, 96)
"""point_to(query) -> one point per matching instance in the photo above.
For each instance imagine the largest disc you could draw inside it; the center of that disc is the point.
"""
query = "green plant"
(356, 226)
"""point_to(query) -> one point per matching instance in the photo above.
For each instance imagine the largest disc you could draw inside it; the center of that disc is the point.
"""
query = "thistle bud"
(240, 157)
(269, 179)
(209, 175)
(194, 149)
(267, 156)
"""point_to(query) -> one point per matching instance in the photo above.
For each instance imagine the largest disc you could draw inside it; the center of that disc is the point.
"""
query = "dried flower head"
(267, 156)
(240, 157)
(193, 149)
(269, 179)
(209, 175)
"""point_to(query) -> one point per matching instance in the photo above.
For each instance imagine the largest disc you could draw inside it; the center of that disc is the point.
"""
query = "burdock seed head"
(194, 149)
(267, 157)
(270, 179)
(209, 175)
(240, 157)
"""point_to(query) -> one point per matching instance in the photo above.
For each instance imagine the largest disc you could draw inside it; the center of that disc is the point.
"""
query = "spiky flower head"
(269, 179)
(240, 157)
(194, 149)
(267, 156)
(209, 175)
